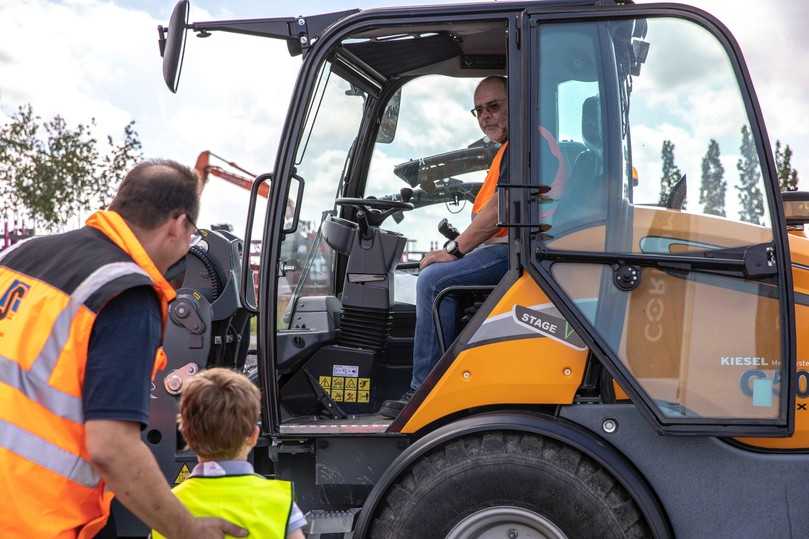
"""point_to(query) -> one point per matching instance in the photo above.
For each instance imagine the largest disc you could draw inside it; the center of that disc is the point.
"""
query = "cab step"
(322, 522)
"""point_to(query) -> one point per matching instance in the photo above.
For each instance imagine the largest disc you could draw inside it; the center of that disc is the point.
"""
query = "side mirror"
(172, 44)
(796, 208)
(390, 119)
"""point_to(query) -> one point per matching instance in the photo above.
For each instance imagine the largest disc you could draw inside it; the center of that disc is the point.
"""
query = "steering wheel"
(373, 211)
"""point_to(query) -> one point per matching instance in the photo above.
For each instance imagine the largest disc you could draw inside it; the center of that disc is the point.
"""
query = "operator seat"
(585, 196)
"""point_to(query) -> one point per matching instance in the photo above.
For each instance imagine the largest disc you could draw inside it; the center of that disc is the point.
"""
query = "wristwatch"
(452, 248)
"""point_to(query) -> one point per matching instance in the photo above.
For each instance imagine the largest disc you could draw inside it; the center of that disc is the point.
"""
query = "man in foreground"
(81, 322)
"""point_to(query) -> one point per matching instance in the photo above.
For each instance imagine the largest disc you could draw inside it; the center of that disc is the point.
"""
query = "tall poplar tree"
(751, 199)
(787, 176)
(671, 172)
(712, 190)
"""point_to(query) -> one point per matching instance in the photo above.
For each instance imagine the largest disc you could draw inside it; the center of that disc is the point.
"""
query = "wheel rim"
(505, 523)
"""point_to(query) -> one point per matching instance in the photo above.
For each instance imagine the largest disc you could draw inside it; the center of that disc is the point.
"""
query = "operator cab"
(389, 152)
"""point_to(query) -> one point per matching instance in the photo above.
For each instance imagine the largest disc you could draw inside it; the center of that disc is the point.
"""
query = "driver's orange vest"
(51, 289)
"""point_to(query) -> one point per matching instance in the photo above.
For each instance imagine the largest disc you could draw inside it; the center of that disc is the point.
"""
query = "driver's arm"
(482, 227)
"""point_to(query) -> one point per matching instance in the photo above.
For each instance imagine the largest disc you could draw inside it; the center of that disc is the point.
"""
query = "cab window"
(437, 152)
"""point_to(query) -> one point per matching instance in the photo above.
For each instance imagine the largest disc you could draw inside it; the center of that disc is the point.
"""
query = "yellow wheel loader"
(641, 368)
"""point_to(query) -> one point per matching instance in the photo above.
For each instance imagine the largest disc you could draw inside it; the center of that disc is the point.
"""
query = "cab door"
(661, 238)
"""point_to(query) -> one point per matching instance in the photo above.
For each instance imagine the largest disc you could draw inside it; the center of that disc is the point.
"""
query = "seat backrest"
(584, 197)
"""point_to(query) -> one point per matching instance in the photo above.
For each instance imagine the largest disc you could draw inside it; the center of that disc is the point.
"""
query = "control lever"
(405, 195)
(329, 406)
(447, 230)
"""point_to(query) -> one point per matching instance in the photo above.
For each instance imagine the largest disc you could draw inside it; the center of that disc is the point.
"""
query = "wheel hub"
(504, 522)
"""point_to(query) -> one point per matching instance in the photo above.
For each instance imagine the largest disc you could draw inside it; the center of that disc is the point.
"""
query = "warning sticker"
(182, 475)
(347, 388)
(345, 370)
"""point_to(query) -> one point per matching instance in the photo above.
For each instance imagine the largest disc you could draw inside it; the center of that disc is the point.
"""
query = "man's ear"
(177, 226)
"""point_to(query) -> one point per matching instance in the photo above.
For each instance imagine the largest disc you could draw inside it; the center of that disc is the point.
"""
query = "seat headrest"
(591, 123)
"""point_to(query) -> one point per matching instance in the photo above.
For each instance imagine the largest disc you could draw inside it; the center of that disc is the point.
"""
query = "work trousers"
(486, 265)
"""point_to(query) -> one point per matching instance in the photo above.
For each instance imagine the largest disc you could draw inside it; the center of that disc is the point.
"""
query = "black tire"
(507, 469)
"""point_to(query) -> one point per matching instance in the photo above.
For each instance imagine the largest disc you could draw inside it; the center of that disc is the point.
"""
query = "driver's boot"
(392, 408)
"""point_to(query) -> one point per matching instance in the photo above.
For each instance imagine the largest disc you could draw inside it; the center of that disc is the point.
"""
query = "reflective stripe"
(34, 383)
(38, 390)
(44, 364)
(35, 449)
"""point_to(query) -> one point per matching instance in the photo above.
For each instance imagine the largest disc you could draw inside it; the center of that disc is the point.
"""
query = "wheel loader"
(641, 368)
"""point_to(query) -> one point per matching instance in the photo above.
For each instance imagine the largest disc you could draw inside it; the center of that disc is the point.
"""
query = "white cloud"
(772, 36)
(89, 58)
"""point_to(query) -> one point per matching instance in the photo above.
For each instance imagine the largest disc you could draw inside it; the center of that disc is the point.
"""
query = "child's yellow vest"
(262, 506)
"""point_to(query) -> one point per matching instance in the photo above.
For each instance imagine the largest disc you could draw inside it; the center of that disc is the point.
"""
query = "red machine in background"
(204, 168)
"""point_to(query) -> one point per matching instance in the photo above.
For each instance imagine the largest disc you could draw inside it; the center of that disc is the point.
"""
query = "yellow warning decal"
(347, 388)
(182, 475)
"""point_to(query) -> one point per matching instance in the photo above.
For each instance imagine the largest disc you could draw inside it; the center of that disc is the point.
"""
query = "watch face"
(451, 246)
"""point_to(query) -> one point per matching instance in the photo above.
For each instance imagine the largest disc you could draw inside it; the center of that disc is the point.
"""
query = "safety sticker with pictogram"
(347, 388)
(183, 474)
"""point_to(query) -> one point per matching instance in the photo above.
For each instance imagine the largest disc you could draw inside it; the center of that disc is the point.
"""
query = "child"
(219, 413)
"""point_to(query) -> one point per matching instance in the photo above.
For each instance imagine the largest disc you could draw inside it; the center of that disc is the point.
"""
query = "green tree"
(50, 171)
(712, 190)
(787, 176)
(671, 172)
(751, 199)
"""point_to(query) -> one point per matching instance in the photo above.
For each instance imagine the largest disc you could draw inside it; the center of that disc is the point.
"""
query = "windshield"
(332, 122)
(437, 152)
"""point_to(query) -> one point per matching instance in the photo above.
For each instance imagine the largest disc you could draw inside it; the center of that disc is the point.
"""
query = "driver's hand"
(439, 255)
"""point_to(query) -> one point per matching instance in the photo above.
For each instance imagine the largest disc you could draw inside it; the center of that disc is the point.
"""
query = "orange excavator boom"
(204, 168)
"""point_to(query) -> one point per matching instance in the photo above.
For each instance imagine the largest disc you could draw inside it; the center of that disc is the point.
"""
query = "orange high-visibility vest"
(51, 289)
(489, 187)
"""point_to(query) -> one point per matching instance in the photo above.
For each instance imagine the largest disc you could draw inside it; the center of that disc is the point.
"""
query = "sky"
(94, 58)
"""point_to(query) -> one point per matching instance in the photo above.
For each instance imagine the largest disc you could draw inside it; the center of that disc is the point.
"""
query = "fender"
(553, 427)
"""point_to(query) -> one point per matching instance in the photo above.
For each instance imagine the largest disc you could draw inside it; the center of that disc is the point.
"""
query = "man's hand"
(432, 257)
(207, 527)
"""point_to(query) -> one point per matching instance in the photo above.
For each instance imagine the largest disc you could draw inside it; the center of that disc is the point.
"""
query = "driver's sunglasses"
(196, 235)
(492, 107)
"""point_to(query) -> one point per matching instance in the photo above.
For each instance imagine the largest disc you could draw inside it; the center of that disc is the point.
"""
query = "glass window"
(672, 147)
(700, 345)
(333, 120)
(438, 152)
(657, 158)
